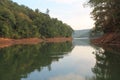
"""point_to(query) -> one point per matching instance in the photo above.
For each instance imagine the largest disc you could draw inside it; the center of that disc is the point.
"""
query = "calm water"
(78, 60)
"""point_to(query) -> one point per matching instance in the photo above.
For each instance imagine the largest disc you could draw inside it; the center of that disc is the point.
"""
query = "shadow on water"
(18, 61)
(107, 65)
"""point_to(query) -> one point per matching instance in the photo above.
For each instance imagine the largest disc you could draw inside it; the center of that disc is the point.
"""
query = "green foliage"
(22, 22)
(106, 14)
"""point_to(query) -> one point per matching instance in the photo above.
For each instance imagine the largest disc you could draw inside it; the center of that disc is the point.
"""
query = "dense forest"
(106, 14)
(19, 21)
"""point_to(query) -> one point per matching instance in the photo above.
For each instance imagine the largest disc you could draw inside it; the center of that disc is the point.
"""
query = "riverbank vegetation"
(106, 14)
(19, 21)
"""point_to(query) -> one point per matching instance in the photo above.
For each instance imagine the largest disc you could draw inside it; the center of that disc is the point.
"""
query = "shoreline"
(6, 42)
(110, 39)
(109, 42)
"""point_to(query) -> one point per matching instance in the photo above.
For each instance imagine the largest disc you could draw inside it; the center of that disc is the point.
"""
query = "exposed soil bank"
(108, 39)
(109, 42)
(5, 42)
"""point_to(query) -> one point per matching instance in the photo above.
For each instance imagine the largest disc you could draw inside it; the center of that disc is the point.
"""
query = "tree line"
(106, 14)
(19, 21)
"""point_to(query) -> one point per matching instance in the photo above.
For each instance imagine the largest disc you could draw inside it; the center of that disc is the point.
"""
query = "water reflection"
(18, 61)
(81, 42)
(107, 65)
(59, 61)
(76, 66)
(68, 77)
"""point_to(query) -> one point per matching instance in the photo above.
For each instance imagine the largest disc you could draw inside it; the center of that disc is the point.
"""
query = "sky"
(71, 12)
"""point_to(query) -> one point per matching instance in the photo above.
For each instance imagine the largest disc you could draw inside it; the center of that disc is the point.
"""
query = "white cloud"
(68, 77)
(78, 17)
(74, 14)
(81, 22)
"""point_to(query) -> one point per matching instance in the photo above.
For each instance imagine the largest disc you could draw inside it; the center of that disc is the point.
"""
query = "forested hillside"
(106, 14)
(85, 33)
(19, 21)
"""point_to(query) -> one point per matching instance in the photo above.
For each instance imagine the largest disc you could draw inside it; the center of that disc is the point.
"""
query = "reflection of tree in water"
(107, 65)
(17, 61)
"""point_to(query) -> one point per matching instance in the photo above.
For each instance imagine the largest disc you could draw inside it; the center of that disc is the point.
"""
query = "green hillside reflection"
(19, 60)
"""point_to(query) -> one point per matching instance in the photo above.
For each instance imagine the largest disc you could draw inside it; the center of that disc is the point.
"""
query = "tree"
(19, 21)
(106, 14)
(47, 11)
(37, 10)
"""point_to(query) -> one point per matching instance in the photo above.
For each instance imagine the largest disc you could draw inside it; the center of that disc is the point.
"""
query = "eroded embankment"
(109, 42)
(5, 42)
(108, 39)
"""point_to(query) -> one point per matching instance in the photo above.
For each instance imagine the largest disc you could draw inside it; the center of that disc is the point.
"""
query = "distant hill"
(81, 33)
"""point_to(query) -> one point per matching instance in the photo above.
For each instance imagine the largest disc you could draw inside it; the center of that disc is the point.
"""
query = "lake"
(77, 60)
